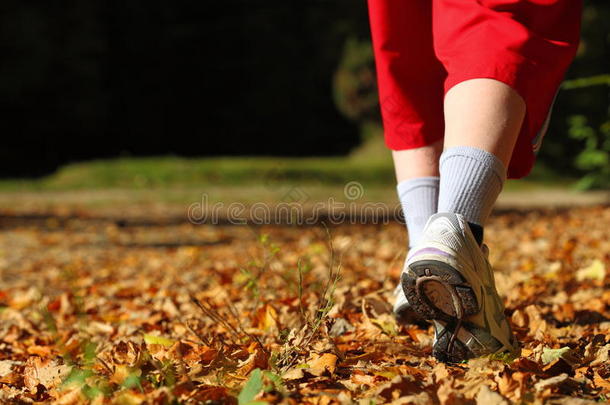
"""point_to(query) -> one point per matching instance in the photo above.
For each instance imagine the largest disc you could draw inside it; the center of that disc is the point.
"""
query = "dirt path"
(92, 308)
(320, 204)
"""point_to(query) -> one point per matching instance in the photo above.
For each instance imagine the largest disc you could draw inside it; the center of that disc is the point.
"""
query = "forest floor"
(95, 309)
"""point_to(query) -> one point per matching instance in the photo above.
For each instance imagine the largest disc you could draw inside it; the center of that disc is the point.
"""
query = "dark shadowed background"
(84, 80)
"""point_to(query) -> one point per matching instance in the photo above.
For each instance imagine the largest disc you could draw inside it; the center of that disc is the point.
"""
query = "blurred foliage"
(576, 147)
(102, 79)
(594, 158)
(91, 80)
(354, 84)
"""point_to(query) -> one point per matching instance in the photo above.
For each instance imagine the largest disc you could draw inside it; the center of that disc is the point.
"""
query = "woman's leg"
(418, 185)
(527, 45)
(449, 280)
(410, 80)
(504, 61)
(418, 162)
(483, 119)
(485, 114)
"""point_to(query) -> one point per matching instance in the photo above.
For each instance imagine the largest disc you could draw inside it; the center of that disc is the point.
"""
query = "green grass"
(370, 165)
(161, 172)
(179, 182)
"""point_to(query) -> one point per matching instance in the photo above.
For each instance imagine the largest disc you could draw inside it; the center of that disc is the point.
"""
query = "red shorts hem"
(424, 48)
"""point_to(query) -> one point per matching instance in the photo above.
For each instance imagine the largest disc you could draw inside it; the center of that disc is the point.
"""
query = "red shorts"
(424, 47)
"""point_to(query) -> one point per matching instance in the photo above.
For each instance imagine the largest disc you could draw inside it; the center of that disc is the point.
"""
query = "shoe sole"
(438, 292)
(405, 315)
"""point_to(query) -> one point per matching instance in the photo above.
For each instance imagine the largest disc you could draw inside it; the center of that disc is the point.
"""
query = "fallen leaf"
(6, 367)
(252, 388)
(602, 356)
(560, 380)
(595, 271)
(488, 397)
(387, 324)
(398, 387)
(327, 362)
(340, 327)
(550, 355)
(158, 340)
(295, 373)
(601, 382)
(48, 373)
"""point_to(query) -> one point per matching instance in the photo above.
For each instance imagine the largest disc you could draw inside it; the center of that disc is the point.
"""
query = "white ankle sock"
(419, 198)
(471, 180)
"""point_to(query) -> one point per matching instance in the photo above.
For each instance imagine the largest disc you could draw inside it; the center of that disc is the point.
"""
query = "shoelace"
(460, 316)
(453, 337)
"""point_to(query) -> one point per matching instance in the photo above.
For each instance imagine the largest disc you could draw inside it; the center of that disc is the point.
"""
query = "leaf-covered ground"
(103, 311)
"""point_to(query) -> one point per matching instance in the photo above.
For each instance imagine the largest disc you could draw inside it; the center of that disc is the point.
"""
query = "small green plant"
(251, 275)
(505, 357)
(594, 159)
(312, 320)
(249, 279)
(251, 389)
(83, 373)
(259, 381)
(326, 296)
(293, 278)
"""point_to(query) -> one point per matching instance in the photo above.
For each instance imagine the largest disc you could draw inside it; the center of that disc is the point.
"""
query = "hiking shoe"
(449, 281)
(403, 312)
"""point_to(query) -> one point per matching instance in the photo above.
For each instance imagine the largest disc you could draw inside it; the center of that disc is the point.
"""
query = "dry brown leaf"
(92, 291)
(321, 364)
(295, 373)
(6, 367)
(449, 395)
(48, 373)
(486, 396)
(602, 356)
(601, 382)
(440, 372)
(399, 386)
(553, 382)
